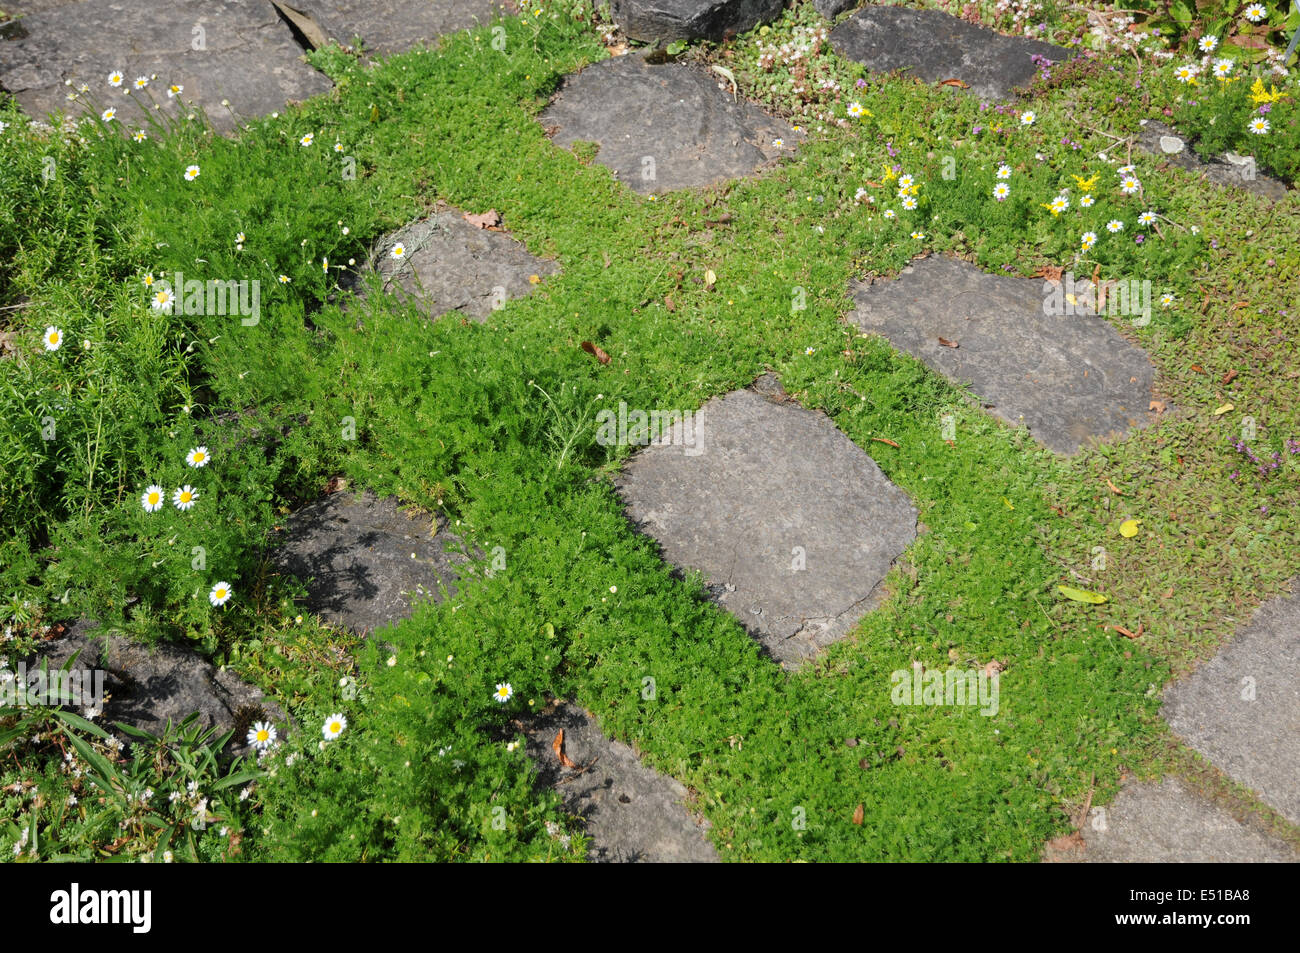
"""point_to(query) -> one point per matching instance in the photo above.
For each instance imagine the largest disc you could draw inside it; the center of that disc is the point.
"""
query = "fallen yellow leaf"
(1220, 411)
(1081, 595)
(1129, 528)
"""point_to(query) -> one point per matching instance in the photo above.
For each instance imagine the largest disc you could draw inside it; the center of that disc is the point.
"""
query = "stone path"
(1229, 169)
(1165, 823)
(146, 687)
(364, 559)
(1241, 709)
(632, 814)
(243, 51)
(367, 560)
(663, 127)
(666, 20)
(1069, 378)
(450, 265)
(791, 523)
(935, 46)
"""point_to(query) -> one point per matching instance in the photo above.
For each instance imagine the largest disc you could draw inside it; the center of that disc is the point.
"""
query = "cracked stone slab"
(1069, 378)
(248, 57)
(145, 687)
(792, 525)
(1241, 709)
(663, 127)
(451, 265)
(936, 46)
(364, 560)
(1229, 169)
(1167, 824)
(632, 814)
(666, 20)
(393, 26)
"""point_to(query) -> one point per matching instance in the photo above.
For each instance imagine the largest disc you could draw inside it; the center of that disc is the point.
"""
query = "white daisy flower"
(262, 735)
(1001, 191)
(918, 235)
(1259, 126)
(53, 338)
(856, 110)
(109, 114)
(504, 692)
(1088, 240)
(139, 135)
(174, 90)
(1222, 67)
(1059, 205)
(1208, 44)
(185, 497)
(148, 280)
(1166, 299)
(1255, 13)
(198, 457)
(1126, 170)
(1185, 73)
(284, 279)
(1114, 225)
(334, 726)
(1129, 185)
(191, 173)
(115, 78)
(889, 213)
(398, 252)
(905, 181)
(163, 300)
(307, 139)
(909, 202)
(1027, 118)
(1086, 201)
(152, 499)
(219, 596)
(1147, 218)
(1004, 171)
(141, 82)
(338, 147)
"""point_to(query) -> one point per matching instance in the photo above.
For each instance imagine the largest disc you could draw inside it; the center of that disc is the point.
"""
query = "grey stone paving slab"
(1228, 169)
(145, 687)
(248, 57)
(830, 9)
(691, 19)
(364, 559)
(792, 525)
(632, 813)
(391, 26)
(936, 46)
(1241, 709)
(1068, 378)
(451, 265)
(1167, 824)
(663, 127)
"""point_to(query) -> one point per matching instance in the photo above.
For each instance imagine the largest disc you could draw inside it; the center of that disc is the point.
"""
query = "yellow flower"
(1086, 185)
(890, 175)
(1258, 95)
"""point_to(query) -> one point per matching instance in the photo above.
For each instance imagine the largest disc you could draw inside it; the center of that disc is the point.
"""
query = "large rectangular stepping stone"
(1241, 709)
(663, 127)
(393, 26)
(236, 50)
(632, 814)
(364, 560)
(447, 264)
(1167, 824)
(792, 525)
(1068, 378)
(667, 20)
(1229, 169)
(936, 46)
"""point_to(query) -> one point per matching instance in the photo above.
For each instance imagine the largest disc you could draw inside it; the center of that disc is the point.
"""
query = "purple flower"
(1264, 509)
(1139, 240)
(860, 83)
(1232, 475)
(1293, 446)
(1265, 109)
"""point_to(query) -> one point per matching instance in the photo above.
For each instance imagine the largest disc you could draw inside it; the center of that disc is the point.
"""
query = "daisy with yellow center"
(191, 173)
(139, 135)
(1186, 74)
(109, 114)
(334, 726)
(504, 692)
(141, 82)
(1085, 201)
(909, 202)
(163, 300)
(1058, 205)
(1004, 171)
(284, 279)
(152, 499)
(1001, 191)
(1259, 126)
(174, 90)
(115, 78)
(307, 139)
(53, 338)
(1089, 239)
(338, 147)
(185, 497)
(148, 280)
(220, 595)
(262, 735)
(198, 457)
(398, 252)
(1027, 117)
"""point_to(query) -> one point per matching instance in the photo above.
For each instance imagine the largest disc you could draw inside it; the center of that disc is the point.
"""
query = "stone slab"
(792, 525)
(364, 559)
(667, 20)
(1229, 169)
(670, 114)
(1241, 709)
(936, 46)
(831, 9)
(632, 814)
(1068, 378)
(451, 265)
(393, 26)
(250, 57)
(146, 687)
(1167, 824)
